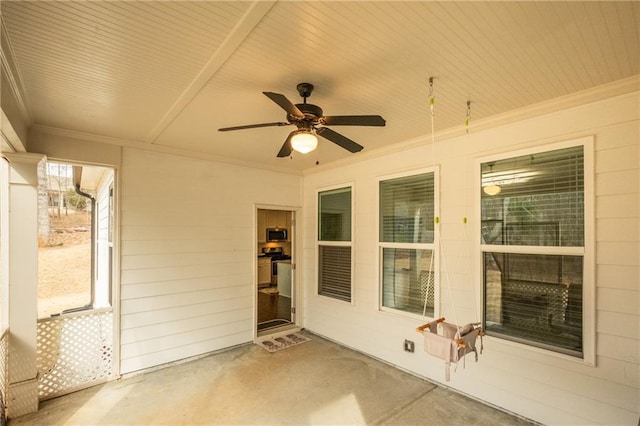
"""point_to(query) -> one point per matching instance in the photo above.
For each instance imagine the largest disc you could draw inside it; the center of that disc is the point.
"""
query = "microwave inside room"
(276, 234)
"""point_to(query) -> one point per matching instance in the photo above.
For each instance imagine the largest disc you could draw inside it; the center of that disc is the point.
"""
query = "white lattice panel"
(74, 352)
(4, 354)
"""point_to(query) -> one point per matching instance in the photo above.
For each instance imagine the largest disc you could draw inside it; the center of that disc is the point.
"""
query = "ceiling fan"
(306, 117)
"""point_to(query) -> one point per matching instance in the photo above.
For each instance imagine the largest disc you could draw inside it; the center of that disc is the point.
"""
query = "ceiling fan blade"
(285, 104)
(252, 126)
(286, 149)
(338, 139)
(353, 120)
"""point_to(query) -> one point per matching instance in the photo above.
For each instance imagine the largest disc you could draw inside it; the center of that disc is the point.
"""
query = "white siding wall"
(188, 254)
(539, 385)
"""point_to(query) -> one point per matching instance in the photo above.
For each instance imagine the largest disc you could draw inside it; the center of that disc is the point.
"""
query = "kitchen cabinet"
(264, 271)
(278, 219)
(262, 226)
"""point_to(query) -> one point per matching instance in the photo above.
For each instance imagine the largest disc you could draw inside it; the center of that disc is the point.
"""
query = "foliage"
(76, 200)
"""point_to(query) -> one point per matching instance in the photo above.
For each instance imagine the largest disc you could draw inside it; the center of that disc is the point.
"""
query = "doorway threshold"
(265, 325)
(286, 328)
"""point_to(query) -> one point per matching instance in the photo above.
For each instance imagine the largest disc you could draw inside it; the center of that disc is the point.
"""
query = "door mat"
(269, 290)
(283, 342)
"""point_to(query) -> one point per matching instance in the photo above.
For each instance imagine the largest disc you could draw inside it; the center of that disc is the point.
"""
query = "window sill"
(82, 313)
(521, 348)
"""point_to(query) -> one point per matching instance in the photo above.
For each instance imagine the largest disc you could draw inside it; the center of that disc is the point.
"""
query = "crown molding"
(583, 97)
(616, 88)
(141, 145)
(12, 73)
(90, 137)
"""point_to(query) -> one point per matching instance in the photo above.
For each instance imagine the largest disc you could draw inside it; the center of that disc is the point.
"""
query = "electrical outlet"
(409, 346)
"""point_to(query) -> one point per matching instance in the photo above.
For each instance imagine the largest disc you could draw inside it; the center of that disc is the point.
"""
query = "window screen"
(533, 242)
(334, 243)
(408, 280)
(406, 243)
(335, 215)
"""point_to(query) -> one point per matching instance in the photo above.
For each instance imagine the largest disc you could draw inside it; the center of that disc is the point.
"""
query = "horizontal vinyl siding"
(163, 277)
(617, 183)
(183, 297)
(616, 276)
(537, 384)
(151, 317)
(188, 254)
(171, 352)
(617, 229)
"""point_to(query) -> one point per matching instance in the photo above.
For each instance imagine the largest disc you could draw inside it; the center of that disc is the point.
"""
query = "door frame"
(296, 291)
(107, 195)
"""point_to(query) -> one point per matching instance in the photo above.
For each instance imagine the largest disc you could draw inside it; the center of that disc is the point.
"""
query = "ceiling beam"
(243, 28)
(12, 73)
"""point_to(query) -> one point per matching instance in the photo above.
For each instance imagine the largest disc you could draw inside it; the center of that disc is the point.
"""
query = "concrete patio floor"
(314, 383)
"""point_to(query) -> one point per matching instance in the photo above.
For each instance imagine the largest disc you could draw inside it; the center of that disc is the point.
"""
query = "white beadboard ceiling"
(167, 74)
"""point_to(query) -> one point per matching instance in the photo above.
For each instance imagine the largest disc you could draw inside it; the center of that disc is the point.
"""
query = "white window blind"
(406, 209)
(335, 272)
(541, 202)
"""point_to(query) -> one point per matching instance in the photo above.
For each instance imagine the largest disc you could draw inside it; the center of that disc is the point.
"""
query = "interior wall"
(188, 254)
(534, 383)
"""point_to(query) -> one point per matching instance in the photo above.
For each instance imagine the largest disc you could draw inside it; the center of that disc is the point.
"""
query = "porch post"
(22, 380)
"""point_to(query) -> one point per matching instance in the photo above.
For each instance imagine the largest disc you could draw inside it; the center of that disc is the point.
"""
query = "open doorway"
(76, 224)
(275, 301)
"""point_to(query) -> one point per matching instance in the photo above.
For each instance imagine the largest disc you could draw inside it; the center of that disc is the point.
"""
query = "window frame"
(433, 246)
(586, 251)
(99, 267)
(350, 243)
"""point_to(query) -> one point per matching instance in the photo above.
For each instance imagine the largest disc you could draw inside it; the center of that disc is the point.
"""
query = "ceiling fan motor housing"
(310, 111)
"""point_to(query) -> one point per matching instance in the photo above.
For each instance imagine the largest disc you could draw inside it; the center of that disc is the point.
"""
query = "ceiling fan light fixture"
(492, 189)
(304, 141)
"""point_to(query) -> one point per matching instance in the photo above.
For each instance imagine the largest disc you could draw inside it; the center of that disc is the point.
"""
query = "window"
(334, 243)
(533, 248)
(406, 237)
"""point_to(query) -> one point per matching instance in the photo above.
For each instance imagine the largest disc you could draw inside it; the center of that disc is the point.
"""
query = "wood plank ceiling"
(169, 74)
